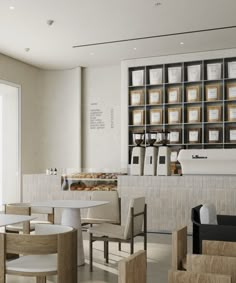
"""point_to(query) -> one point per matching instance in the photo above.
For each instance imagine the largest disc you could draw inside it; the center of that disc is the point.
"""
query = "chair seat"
(96, 221)
(34, 264)
(33, 222)
(109, 230)
(18, 227)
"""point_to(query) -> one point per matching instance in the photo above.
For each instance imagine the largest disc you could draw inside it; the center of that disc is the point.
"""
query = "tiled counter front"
(170, 199)
(40, 187)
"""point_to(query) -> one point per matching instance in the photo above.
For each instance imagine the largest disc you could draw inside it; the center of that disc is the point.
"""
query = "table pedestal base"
(71, 217)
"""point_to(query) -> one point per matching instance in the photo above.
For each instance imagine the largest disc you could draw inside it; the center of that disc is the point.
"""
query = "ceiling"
(83, 22)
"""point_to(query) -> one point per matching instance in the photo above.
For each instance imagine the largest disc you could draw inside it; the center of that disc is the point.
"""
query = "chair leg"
(91, 251)
(119, 246)
(145, 227)
(41, 279)
(131, 245)
(106, 250)
(145, 241)
(132, 232)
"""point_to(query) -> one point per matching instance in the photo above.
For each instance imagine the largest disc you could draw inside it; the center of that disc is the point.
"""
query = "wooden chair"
(26, 209)
(20, 210)
(137, 217)
(212, 264)
(52, 250)
(193, 277)
(133, 269)
(219, 248)
(109, 213)
(179, 249)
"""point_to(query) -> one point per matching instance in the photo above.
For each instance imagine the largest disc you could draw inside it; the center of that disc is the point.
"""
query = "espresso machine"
(138, 152)
(150, 161)
(163, 159)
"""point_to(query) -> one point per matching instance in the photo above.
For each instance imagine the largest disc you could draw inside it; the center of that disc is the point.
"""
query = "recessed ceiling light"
(91, 53)
(135, 48)
(27, 49)
(50, 22)
(12, 8)
(181, 43)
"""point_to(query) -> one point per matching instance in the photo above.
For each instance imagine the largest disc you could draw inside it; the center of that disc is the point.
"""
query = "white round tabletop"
(69, 203)
(9, 219)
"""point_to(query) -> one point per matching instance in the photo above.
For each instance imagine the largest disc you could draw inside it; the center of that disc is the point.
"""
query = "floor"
(158, 257)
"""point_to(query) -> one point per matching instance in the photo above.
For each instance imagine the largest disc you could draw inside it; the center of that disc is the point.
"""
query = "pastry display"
(99, 181)
(99, 187)
(98, 175)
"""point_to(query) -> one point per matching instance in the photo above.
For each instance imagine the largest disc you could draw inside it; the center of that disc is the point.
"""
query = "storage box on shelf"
(195, 101)
(90, 182)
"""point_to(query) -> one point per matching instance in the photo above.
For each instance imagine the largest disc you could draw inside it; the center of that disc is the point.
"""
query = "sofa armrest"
(226, 220)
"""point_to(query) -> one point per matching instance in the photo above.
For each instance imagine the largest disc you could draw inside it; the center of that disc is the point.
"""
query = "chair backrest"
(195, 217)
(110, 211)
(212, 264)
(47, 211)
(62, 243)
(133, 269)
(18, 208)
(138, 205)
(179, 248)
(208, 214)
(195, 214)
(219, 248)
(194, 277)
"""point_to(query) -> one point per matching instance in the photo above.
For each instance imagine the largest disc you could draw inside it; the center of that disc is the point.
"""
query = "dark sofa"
(225, 230)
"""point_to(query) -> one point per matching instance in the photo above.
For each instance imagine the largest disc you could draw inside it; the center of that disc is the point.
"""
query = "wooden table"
(71, 217)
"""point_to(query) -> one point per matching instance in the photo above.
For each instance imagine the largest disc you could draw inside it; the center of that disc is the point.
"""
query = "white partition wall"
(9, 143)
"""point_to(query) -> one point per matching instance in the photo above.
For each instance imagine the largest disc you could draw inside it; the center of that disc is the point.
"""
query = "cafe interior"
(117, 141)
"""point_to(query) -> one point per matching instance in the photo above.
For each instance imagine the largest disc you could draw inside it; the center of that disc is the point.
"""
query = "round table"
(71, 217)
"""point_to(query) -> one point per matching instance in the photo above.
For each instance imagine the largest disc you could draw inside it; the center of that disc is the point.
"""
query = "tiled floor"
(158, 257)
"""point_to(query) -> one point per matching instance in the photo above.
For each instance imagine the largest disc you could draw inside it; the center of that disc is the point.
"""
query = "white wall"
(9, 187)
(50, 115)
(27, 76)
(101, 140)
(59, 120)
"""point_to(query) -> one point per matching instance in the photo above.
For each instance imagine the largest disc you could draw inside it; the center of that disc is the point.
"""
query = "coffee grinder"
(150, 161)
(137, 158)
(163, 159)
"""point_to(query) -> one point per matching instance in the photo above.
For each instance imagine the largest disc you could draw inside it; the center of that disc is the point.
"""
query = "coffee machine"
(150, 161)
(138, 152)
(163, 159)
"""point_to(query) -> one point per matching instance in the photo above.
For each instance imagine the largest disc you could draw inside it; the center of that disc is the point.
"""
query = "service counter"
(169, 198)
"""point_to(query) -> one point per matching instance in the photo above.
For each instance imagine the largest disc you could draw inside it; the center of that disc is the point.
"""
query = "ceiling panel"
(79, 22)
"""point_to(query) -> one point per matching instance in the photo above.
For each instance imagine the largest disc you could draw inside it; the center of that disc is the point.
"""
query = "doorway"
(10, 169)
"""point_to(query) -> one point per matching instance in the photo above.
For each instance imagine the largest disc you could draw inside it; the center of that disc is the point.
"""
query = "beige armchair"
(136, 220)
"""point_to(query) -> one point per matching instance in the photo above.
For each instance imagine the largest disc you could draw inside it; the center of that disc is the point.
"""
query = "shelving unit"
(204, 105)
